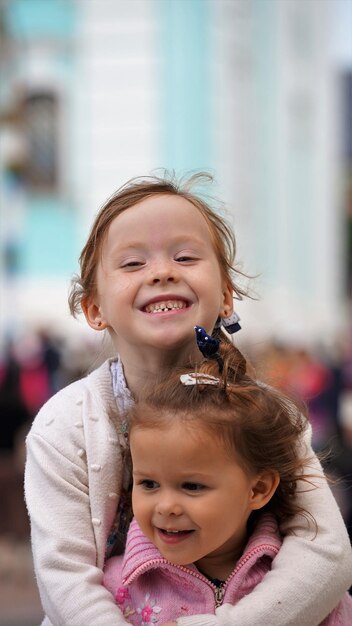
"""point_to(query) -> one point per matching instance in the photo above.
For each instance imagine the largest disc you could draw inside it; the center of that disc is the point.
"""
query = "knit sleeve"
(308, 576)
(63, 544)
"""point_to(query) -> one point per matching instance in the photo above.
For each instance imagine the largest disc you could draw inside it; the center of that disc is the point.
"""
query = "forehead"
(181, 449)
(161, 213)
(176, 437)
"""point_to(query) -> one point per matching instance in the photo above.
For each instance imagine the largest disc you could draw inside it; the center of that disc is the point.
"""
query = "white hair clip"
(196, 378)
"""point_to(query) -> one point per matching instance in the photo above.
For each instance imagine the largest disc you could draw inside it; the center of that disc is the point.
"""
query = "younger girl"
(157, 262)
(216, 465)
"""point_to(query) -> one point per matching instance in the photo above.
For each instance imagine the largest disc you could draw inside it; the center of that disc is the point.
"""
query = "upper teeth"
(167, 305)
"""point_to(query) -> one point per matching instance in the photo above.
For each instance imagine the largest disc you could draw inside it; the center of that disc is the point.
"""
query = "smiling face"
(190, 497)
(158, 276)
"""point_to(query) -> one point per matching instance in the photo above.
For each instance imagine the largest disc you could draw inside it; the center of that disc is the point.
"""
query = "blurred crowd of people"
(35, 366)
(32, 368)
(322, 379)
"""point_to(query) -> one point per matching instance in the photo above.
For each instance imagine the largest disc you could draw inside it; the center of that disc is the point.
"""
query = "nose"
(162, 273)
(168, 504)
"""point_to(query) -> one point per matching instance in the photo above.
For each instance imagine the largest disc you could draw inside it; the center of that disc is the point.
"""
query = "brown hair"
(257, 422)
(134, 191)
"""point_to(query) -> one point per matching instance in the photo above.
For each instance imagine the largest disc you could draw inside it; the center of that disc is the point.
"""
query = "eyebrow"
(184, 240)
(189, 476)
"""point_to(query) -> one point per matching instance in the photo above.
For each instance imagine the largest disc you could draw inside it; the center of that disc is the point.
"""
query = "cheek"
(140, 505)
(212, 273)
(121, 285)
(136, 497)
(206, 510)
(135, 503)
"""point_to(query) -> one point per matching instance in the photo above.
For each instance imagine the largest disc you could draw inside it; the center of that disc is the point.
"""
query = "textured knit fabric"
(150, 590)
(72, 484)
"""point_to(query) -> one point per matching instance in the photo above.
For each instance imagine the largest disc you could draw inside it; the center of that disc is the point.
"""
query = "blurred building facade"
(96, 92)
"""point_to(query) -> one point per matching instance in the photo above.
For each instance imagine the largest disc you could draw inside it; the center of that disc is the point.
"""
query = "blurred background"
(94, 92)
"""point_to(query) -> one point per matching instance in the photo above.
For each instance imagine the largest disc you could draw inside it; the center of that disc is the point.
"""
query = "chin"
(173, 341)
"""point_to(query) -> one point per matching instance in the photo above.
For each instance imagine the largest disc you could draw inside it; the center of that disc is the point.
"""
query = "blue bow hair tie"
(208, 345)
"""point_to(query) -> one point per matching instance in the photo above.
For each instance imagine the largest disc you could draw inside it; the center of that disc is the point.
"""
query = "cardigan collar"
(100, 383)
(122, 393)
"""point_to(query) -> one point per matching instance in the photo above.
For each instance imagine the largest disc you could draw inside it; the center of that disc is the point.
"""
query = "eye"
(193, 487)
(185, 258)
(148, 485)
(132, 264)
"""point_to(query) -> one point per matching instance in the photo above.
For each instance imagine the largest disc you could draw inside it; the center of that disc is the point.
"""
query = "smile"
(173, 536)
(165, 305)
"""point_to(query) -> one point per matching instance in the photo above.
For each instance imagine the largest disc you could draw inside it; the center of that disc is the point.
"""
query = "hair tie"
(209, 346)
(231, 323)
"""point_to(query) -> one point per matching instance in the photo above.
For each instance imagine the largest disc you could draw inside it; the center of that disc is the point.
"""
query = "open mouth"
(165, 305)
(175, 533)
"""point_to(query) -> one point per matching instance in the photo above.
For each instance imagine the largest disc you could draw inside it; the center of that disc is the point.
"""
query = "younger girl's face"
(158, 277)
(190, 498)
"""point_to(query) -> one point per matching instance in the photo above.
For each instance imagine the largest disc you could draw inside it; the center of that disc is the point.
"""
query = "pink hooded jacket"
(149, 589)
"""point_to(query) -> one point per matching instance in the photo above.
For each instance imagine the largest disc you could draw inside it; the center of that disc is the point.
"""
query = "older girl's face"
(158, 277)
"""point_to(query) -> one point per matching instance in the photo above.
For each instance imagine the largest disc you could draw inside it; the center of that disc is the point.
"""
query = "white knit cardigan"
(72, 487)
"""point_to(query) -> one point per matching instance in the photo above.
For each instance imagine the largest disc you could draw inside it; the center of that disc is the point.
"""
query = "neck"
(145, 369)
(220, 565)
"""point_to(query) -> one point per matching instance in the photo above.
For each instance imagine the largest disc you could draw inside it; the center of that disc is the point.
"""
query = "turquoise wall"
(185, 109)
(47, 244)
(49, 247)
(34, 19)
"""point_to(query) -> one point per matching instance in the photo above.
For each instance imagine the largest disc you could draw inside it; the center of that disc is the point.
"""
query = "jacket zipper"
(219, 593)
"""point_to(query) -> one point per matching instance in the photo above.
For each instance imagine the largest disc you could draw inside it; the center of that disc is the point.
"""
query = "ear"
(93, 314)
(263, 488)
(226, 308)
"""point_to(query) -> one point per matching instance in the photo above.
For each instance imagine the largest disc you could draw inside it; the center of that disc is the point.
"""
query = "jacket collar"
(141, 555)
